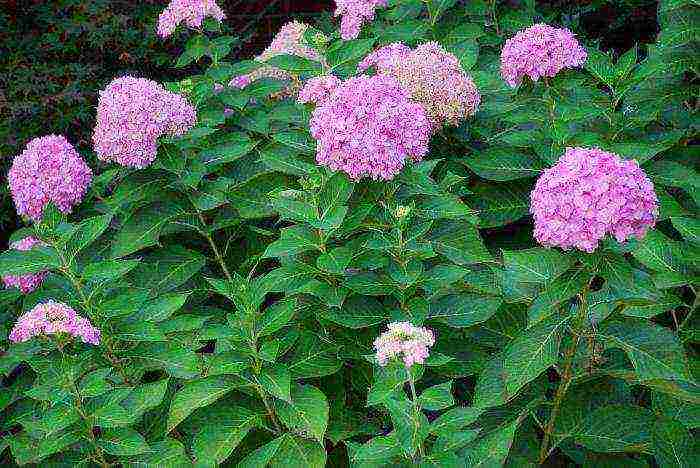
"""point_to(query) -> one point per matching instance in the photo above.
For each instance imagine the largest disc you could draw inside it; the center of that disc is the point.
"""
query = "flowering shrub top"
(354, 14)
(404, 340)
(590, 193)
(433, 76)
(48, 170)
(29, 281)
(132, 113)
(51, 318)
(368, 127)
(289, 40)
(191, 12)
(316, 90)
(540, 51)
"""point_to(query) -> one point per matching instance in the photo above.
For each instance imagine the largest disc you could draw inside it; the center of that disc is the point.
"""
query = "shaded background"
(56, 55)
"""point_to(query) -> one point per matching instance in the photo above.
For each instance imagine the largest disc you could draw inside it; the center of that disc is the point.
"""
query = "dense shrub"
(348, 260)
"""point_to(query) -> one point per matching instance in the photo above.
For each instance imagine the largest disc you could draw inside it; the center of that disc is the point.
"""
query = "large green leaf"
(464, 310)
(617, 428)
(225, 429)
(503, 164)
(197, 394)
(535, 265)
(307, 412)
(123, 441)
(313, 356)
(17, 262)
(491, 450)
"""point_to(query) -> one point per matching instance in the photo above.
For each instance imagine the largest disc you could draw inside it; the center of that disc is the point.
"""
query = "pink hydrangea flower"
(404, 340)
(354, 14)
(590, 193)
(540, 51)
(289, 40)
(48, 170)
(29, 281)
(433, 76)
(50, 318)
(318, 89)
(132, 113)
(191, 12)
(368, 127)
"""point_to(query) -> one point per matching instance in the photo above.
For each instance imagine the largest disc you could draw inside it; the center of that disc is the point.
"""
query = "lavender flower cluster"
(354, 13)
(540, 51)
(29, 281)
(404, 340)
(132, 113)
(317, 89)
(48, 170)
(590, 193)
(191, 12)
(368, 126)
(433, 76)
(289, 40)
(51, 318)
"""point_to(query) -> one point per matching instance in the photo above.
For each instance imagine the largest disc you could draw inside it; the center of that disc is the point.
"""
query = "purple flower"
(354, 13)
(318, 89)
(132, 113)
(50, 318)
(540, 50)
(29, 281)
(368, 127)
(433, 76)
(191, 12)
(590, 193)
(48, 170)
(406, 341)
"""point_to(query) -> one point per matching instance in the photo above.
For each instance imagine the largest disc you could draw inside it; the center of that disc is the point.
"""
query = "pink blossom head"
(354, 13)
(289, 40)
(433, 76)
(406, 341)
(48, 170)
(29, 281)
(540, 51)
(590, 193)
(51, 318)
(317, 89)
(190, 12)
(368, 127)
(132, 113)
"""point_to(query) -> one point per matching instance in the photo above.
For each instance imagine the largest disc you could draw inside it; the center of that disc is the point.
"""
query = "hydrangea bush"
(426, 234)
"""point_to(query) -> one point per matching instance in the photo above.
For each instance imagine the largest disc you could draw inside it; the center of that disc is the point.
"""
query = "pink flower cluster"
(30, 281)
(590, 193)
(433, 76)
(50, 318)
(540, 51)
(289, 40)
(317, 89)
(132, 113)
(354, 14)
(404, 340)
(191, 12)
(368, 127)
(48, 170)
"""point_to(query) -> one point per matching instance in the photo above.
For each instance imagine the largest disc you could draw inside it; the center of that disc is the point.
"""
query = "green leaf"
(445, 207)
(673, 444)
(654, 351)
(503, 164)
(122, 441)
(688, 227)
(491, 450)
(108, 270)
(370, 284)
(26, 450)
(617, 428)
(197, 394)
(535, 265)
(294, 64)
(295, 210)
(277, 381)
(168, 268)
(307, 413)
(378, 451)
(500, 204)
(464, 310)
(275, 317)
(342, 53)
(556, 293)
(214, 442)
(335, 261)
(298, 140)
(660, 253)
(533, 352)
(437, 397)
(17, 262)
(284, 159)
(411, 428)
(293, 240)
(288, 451)
(163, 307)
(313, 356)
(167, 452)
(143, 228)
(460, 243)
(455, 419)
(358, 312)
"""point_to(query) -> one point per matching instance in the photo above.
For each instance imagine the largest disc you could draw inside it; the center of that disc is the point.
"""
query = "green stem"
(212, 244)
(416, 406)
(566, 376)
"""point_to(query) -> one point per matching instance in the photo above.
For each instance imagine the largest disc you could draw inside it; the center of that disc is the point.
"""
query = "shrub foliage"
(236, 286)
